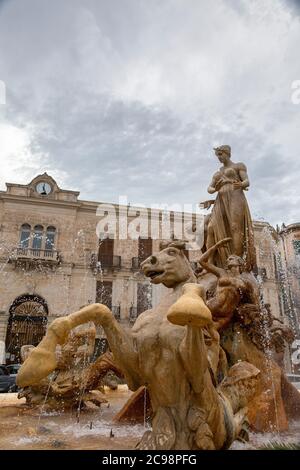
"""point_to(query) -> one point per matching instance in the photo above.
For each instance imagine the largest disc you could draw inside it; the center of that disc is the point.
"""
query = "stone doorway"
(26, 325)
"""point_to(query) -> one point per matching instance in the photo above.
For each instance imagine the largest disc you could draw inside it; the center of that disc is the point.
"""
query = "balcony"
(101, 262)
(33, 258)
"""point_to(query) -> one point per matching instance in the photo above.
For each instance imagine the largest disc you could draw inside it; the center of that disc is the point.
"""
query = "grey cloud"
(294, 5)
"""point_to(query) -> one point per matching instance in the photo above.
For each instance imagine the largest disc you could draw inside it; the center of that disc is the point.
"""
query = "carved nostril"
(153, 260)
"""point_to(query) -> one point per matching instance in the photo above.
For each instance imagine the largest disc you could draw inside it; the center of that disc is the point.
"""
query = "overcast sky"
(128, 97)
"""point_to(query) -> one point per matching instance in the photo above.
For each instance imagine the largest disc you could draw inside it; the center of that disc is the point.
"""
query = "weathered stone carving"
(249, 332)
(265, 331)
(177, 361)
(75, 381)
(230, 216)
(231, 287)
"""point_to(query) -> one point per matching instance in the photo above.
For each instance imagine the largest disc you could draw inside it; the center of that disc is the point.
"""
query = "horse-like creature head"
(169, 266)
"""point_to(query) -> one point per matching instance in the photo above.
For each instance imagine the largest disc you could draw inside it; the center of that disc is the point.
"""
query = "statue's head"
(240, 384)
(235, 264)
(223, 153)
(169, 266)
(79, 347)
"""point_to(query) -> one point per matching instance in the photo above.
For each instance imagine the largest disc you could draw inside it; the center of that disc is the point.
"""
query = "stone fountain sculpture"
(75, 381)
(249, 332)
(174, 351)
(247, 328)
(230, 216)
(197, 352)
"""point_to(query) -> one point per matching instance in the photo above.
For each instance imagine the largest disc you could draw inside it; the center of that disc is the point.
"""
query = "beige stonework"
(290, 274)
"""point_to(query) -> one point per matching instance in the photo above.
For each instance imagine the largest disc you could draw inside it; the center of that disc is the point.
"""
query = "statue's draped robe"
(231, 215)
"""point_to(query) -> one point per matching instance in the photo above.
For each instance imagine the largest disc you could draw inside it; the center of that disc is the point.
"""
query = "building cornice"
(83, 205)
(290, 228)
(13, 198)
(92, 206)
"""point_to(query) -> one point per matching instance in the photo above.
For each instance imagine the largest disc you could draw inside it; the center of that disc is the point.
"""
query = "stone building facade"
(52, 263)
(289, 274)
(289, 237)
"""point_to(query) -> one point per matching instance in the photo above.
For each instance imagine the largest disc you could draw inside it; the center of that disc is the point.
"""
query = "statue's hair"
(240, 260)
(223, 148)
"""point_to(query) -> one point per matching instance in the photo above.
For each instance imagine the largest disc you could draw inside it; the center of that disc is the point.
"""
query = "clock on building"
(43, 188)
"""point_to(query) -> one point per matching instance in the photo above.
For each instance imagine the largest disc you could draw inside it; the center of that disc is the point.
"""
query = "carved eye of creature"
(172, 252)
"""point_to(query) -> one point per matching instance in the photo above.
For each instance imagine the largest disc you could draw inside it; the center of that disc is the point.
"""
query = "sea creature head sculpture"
(169, 266)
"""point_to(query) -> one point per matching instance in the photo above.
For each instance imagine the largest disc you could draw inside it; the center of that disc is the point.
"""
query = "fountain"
(181, 365)
(204, 356)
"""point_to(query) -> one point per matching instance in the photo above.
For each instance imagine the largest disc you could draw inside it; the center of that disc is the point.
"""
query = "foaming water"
(27, 441)
(103, 428)
(259, 440)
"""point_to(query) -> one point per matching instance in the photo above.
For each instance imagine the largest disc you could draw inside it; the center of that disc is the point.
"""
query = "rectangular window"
(144, 297)
(106, 252)
(104, 293)
(145, 248)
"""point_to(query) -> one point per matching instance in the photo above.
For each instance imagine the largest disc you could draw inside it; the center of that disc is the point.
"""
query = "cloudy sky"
(128, 97)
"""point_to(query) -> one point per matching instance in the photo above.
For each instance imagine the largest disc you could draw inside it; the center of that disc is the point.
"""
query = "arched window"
(26, 325)
(25, 236)
(37, 237)
(50, 238)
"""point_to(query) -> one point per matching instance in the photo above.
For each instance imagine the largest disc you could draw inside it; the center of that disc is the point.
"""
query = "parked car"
(13, 369)
(295, 380)
(7, 381)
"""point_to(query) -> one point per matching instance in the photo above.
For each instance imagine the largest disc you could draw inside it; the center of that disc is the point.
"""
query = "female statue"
(230, 216)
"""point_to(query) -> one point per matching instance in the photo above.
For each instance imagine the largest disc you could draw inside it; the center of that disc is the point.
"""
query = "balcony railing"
(116, 310)
(31, 258)
(37, 253)
(98, 263)
(109, 261)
